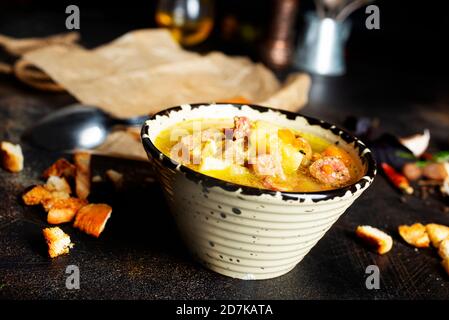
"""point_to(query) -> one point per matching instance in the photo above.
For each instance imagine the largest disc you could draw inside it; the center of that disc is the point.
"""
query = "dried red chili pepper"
(397, 179)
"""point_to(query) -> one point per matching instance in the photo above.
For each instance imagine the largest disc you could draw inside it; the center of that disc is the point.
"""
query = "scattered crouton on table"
(62, 210)
(92, 218)
(58, 242)
(443, 250)
(415, 235)
(82, 176)
(115, 177)
(61, 168)
(381, 241)
(437, 233)
(55, 183)
(11, 156)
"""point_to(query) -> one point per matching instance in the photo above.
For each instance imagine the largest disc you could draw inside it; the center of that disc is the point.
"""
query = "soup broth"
(260, 154)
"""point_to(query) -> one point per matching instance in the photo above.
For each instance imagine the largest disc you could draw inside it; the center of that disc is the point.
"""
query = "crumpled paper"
(145, 71)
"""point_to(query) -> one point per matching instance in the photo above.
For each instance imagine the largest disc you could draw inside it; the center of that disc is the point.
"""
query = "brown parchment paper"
(145, 71)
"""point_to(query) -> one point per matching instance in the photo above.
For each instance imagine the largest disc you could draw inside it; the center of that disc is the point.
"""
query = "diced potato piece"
(300, 144)
(287, 136)
(416, 235)
(437, 233)
(291, 158)
(211, 163)
(210, 149)
(237, 170)
(304, 147)
(263, 138)
(375, 237)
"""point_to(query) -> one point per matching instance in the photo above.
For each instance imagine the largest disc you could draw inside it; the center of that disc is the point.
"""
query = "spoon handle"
(135, 121)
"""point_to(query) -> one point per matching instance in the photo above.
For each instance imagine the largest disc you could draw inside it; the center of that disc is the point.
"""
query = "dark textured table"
(140, 255)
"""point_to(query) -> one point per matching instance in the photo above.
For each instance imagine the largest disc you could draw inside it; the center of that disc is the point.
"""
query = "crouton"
(115, 177)
(62, 210)
(58, 242)
(55, 183)
(36, 195)
(92, 218)
(59, 195)
(445, 264)
(97, 179)
(376, 238)
(437, 233)
(11, 156)
(41, 193)
(61, 168)
(443, 249)
(82, 176)
(415, 235)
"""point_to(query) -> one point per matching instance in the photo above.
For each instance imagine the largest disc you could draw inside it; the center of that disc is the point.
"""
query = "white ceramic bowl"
(245, 232)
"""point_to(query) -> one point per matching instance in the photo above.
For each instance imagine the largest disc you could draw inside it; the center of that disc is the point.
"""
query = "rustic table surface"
(140, 255)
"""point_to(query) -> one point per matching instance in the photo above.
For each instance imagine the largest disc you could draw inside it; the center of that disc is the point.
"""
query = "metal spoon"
(76, 127)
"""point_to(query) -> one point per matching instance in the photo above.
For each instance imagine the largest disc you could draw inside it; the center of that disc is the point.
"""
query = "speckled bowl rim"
(208, 182)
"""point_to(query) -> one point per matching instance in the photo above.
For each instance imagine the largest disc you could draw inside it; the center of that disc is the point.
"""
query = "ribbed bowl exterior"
(244, 236)
(244, 232)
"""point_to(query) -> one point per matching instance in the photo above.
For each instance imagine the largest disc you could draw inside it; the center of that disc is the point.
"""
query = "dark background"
(413, 35)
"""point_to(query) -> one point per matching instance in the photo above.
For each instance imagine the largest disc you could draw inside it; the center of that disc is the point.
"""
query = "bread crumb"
(36, 195)
(415, 235)
(58, 242)
(11, 156)
(55, 183)
(375, 237)
(115, 177)
(437, 233)
(61, 168)
(92, 218)
(40, 193)
(445, 264)
(97, 179)
(62, 210)
(443, 249)
(82, 176)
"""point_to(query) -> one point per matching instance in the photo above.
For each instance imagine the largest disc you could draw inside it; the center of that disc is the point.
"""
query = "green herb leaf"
(421, 163)
(405, 155)
(441, 156)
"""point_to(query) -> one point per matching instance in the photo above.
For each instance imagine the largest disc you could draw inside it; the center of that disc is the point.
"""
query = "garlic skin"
(417, 143)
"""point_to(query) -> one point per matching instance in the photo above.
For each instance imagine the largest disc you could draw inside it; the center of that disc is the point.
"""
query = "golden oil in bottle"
(186, 32)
